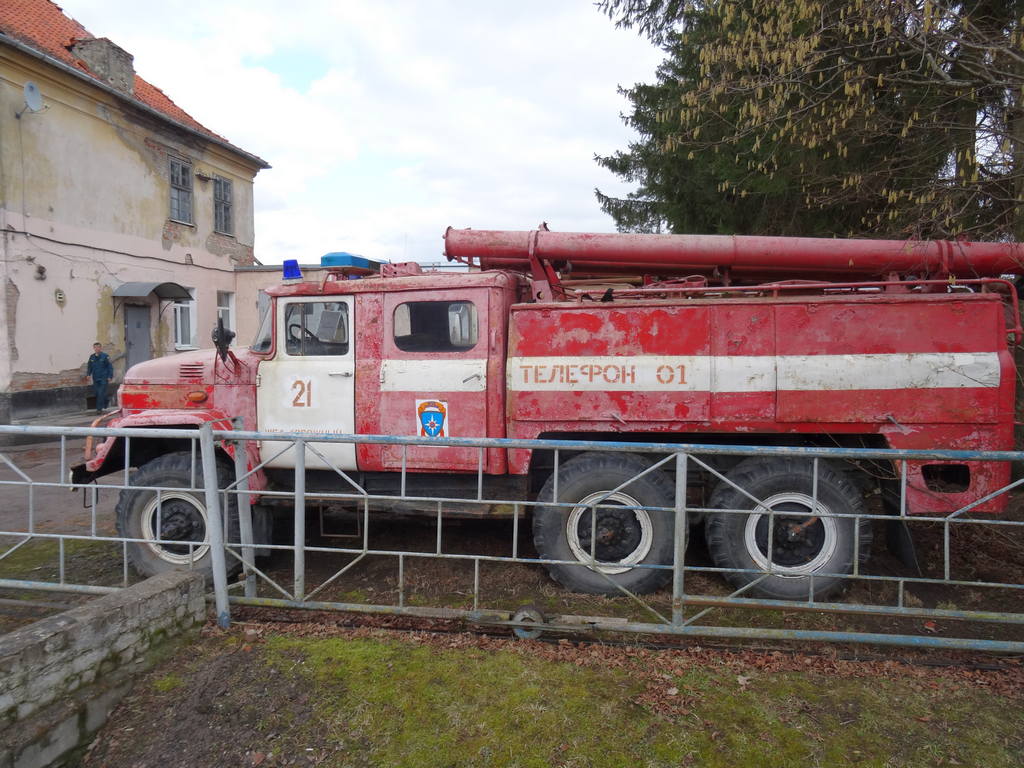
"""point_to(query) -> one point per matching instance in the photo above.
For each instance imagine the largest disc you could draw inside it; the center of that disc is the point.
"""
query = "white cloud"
(386, 121)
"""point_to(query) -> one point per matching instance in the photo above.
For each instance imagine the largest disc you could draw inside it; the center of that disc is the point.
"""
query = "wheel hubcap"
(623, 536)
(803, 535)
(180, 517)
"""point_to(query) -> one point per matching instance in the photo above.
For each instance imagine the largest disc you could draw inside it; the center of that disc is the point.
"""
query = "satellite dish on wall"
(33, 99)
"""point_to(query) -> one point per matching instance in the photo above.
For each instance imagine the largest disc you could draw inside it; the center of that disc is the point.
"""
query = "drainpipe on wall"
(5, 347)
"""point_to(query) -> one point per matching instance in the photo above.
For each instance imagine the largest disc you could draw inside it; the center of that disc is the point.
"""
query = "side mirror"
(222, 338)
(462, 326)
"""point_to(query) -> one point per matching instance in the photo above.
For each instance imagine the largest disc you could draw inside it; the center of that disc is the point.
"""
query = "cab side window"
(316, 328)
(435, 326)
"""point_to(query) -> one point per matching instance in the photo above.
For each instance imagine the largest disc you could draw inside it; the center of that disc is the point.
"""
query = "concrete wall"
(60, 677)
(84, 207)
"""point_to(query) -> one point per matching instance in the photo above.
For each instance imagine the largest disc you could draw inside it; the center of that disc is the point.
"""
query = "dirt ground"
(231, 700)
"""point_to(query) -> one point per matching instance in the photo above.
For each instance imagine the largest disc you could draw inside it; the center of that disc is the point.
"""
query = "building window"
(222, 221)
(435, 326)
(181, 190)
(226, 308)
(185, 322)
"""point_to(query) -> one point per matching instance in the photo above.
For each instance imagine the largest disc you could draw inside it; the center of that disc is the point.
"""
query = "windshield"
(263, 340)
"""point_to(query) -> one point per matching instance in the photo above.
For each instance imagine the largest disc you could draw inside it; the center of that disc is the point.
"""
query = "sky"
(386, 121)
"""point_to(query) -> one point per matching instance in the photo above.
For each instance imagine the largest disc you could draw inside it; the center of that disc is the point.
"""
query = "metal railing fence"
(960, 599)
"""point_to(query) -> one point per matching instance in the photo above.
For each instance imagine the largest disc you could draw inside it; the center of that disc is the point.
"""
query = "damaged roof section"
(42, 27)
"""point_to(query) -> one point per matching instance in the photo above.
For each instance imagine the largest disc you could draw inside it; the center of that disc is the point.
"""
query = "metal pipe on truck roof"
(743, 255)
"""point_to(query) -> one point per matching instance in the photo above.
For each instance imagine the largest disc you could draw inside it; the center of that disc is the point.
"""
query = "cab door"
(308, 386)
(434, 376)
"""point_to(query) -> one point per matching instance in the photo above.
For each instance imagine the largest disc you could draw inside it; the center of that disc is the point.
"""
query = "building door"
(137, 344)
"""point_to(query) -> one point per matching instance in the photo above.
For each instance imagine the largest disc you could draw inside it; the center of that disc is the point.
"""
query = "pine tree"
(817, 117)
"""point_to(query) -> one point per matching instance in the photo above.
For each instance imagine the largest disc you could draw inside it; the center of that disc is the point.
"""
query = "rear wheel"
(814, 540)
(626, 538)
(172, 526)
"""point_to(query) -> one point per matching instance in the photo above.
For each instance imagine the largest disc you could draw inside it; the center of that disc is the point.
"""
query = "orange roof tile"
(42, 25)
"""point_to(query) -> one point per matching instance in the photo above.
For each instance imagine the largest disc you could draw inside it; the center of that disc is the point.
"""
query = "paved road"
(54, 509)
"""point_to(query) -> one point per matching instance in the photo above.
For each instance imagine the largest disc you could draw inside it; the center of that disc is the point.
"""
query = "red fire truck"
(611, 337)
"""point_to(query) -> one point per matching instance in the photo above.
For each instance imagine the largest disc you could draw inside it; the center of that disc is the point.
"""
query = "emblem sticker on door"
(432, 418)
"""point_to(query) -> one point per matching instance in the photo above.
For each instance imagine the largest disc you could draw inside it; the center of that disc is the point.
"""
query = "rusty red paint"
(761, 258)
(153, 396)
(135, 397)
(715, 364)
(835, 325)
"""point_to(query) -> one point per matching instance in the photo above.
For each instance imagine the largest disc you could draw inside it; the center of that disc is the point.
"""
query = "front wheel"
(630, 535)
(814, 540)
(172, 526)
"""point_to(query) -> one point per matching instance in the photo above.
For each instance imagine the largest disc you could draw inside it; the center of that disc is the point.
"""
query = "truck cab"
(410, 355)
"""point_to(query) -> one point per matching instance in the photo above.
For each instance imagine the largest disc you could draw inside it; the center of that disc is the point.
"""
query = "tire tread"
(749, 473)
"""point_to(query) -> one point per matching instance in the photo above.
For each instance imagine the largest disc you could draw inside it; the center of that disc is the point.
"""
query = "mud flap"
(80, 475)
(262, 529)
(901, 544)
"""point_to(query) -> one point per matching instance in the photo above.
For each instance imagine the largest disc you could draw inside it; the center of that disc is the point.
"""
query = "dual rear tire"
(815, 533)
(634, 526)
(814, 530)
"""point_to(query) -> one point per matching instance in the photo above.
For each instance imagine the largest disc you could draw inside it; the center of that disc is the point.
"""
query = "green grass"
(168, 683)
(413, 705)
(86, 562)
(416, 705)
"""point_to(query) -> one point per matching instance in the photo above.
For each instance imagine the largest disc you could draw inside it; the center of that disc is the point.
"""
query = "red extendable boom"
(743, 257)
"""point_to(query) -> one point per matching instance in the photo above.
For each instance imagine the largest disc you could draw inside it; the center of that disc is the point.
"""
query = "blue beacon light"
(345, 259)
(350, 265)
(291, 270)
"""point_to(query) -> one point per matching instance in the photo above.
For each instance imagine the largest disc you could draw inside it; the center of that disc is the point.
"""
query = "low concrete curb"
(62, 676)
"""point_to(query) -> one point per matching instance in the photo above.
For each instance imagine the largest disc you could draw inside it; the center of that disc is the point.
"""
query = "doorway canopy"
(163, 291)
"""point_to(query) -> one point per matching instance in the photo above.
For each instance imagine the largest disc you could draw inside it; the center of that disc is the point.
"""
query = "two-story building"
(122, 218)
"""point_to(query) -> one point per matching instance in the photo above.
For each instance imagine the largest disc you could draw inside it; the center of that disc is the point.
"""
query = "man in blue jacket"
(101, 371)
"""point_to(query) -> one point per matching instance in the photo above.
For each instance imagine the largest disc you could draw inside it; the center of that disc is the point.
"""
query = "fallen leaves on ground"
(658, 669)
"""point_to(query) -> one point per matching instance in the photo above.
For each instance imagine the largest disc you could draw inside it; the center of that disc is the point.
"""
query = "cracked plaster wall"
(84, 203)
